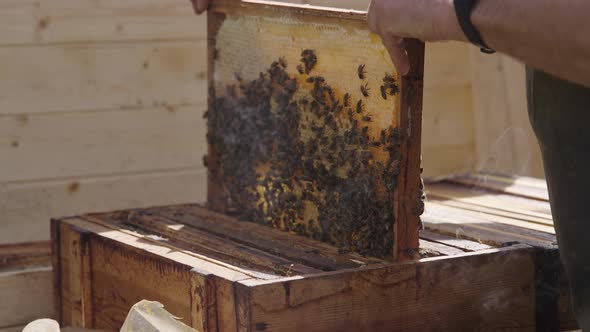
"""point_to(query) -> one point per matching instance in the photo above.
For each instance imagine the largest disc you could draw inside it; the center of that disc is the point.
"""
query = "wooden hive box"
(220, 274)
(310, 128)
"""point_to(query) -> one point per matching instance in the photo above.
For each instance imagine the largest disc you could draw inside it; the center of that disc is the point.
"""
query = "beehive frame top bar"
(260, 50)
(225, 6)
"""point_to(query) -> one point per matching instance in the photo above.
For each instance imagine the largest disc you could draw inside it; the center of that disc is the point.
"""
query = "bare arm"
(550, 35)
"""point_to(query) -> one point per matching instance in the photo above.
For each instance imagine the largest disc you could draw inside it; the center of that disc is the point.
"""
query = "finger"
(195, 6)
(372, 17)
(396, 47)
(201, 5)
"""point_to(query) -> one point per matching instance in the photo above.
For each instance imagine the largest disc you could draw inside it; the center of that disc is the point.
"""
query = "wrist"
(450, 30)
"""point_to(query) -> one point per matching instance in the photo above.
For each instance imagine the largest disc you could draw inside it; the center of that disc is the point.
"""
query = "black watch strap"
(463, 9)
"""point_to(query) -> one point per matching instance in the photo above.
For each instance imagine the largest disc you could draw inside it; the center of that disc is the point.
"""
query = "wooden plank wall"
(101, 106)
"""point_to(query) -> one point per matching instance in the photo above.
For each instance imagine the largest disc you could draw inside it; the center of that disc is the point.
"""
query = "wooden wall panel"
(101, 143)
(17, 21)
(83, 21)
(101, 106)
(26, 207)
(58, 78)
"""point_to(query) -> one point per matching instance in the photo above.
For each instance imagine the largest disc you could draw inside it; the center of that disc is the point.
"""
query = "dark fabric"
(560, 115)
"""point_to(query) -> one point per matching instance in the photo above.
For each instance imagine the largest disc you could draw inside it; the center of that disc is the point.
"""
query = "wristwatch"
(463, 9)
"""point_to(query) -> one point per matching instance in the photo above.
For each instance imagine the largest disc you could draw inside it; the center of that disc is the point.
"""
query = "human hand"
(427, 20)
(200, 6)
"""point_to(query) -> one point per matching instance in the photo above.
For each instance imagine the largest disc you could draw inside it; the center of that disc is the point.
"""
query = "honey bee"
(346, 99)
(365, 90)
(300, 69)
(383, 92)
(283, 62)
(361, 72)
(388, 79)
(359, 106)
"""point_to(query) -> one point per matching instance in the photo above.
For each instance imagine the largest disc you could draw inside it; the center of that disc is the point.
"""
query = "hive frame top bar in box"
(311, 129)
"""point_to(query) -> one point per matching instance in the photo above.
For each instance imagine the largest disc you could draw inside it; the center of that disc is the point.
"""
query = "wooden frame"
(406, 195)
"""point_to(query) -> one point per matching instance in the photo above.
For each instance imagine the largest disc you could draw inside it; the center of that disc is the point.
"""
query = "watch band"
(463, 9)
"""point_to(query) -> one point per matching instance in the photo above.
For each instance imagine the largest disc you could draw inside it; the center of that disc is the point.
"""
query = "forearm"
(550, 35)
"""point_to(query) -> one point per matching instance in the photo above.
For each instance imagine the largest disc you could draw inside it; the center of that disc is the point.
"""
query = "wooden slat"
(216, 247)
(300, 249)
(483, 228)
(539, 230)
(203, 301)
(26, 295)
(97, 77)
(438, 249)
(25, 254)
(462, 244)
(514, 186)
(509, 213)
(18, 328)
(489, 198)
(27, 207)
(75, 293)
(111, 20)
(17, 21)
(286, 7)
(101, 143)
(63, 21)
(403, 297)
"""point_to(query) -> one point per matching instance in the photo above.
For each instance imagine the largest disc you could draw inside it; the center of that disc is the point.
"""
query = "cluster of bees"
(297, 155)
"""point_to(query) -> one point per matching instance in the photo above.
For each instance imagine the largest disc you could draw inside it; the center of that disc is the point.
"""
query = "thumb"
(396, 47)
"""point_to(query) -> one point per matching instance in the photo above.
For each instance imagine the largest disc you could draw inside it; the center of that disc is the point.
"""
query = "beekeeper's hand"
(427, 20)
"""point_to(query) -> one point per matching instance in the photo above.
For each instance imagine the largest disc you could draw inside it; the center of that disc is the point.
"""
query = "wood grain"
(90, 77)
(26, 295)
(63, 21)
(454, 242)
(388, 298)
(25, 255)
(215, 246)
(27, 207)
(300, 249)
(489, 229)
(514, 185)
(125, 269)
(101, 143)
(480, 197)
